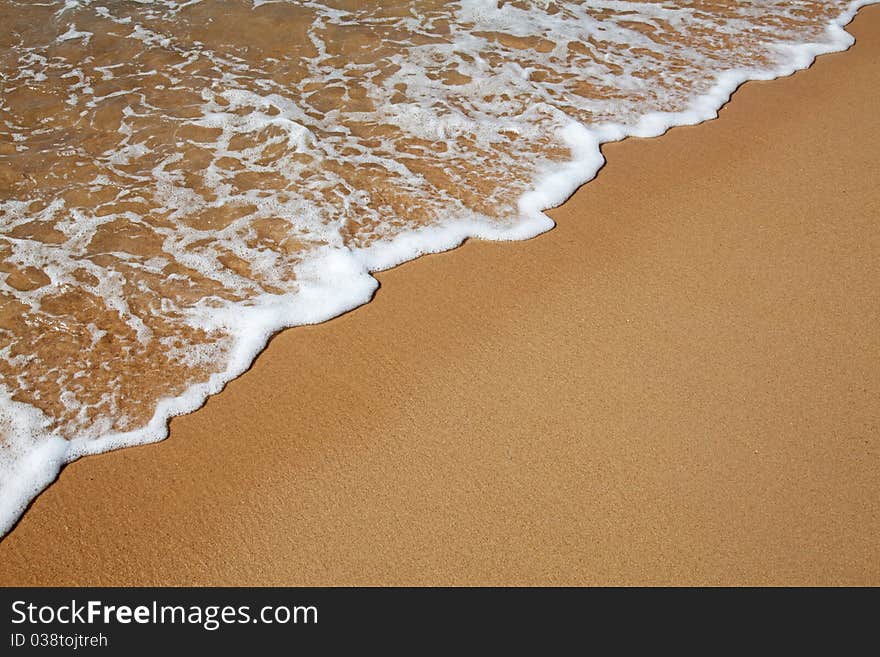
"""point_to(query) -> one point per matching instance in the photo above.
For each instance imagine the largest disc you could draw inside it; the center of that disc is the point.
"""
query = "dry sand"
(679, 385)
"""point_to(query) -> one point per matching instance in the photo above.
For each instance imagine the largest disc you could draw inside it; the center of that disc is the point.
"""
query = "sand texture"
(680, 384)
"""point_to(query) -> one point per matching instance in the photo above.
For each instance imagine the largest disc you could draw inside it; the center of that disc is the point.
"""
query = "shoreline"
(285, 436)
(320, 300)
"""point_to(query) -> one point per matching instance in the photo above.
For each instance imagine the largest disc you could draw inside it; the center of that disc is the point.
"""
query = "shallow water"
(180, 179)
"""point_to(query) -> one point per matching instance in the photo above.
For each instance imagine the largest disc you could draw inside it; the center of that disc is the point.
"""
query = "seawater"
(179, 180)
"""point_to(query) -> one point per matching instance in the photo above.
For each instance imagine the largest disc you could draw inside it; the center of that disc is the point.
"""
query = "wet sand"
(680, 384)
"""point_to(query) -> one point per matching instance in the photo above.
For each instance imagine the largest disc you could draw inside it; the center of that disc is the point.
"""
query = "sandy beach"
(679, 384)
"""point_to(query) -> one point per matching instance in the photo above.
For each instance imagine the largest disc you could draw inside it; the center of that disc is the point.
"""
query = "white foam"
(73, 33)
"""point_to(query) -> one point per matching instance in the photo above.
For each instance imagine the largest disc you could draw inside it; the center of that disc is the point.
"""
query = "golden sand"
(677, 385)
